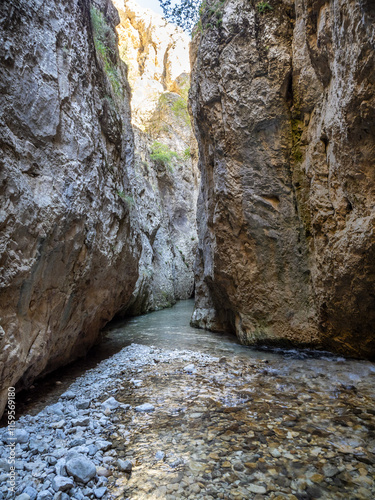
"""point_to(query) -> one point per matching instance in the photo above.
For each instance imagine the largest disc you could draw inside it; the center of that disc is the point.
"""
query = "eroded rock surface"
(88, 228)
(283, 103)
(165, 177)
(69, 255)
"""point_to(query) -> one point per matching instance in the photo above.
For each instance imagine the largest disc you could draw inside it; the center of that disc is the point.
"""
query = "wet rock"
(124, 465)
(330, 470)
(159, 455)
(146, 407)
(255, 488)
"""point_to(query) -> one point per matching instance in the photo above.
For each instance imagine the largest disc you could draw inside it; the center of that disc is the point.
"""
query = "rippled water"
(252, 424)
(248, 424)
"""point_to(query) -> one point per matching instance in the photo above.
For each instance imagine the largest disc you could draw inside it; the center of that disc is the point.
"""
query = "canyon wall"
(165, 177)
(69, 255)
(88, 228)
(284, 110)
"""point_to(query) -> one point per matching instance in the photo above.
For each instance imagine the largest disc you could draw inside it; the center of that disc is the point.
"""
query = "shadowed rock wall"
(69, 255)
(283, 103)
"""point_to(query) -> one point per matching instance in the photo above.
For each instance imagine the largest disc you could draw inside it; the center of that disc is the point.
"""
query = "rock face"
(88, 228)
(165, 177)
(283, 104)
(69, 254)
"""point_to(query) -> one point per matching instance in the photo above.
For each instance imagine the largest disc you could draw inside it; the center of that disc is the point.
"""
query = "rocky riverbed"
(155, 423)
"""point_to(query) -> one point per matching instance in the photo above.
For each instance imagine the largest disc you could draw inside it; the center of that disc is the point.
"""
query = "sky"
(151, 4)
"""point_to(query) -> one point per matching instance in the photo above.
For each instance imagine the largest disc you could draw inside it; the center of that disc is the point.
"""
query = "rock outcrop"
(283, 98)
(88, 228)
(165, 177)
(69, 255)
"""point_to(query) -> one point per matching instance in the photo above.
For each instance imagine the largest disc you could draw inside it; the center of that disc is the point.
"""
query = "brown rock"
(284, 106)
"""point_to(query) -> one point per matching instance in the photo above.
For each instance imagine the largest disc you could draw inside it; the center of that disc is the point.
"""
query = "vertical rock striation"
(69, 254)
(283, 104)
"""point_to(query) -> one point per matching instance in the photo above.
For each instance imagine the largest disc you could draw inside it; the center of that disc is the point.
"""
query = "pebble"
(68, 395)
(80, 422)
(110, 404)
(32, 492)
(83, 404)
(145, 407)
(255, 488)
(61, 483)
(81, 468)
(100, 492)
(189, 368)
(124, 465)
(226, 434)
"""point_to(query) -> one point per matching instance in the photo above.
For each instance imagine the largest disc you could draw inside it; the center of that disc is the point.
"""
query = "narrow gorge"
(151, 179)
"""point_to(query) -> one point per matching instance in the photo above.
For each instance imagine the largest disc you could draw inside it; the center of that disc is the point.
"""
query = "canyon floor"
(218, 420)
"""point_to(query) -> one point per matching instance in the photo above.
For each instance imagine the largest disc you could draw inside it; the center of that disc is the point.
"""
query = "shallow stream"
(232, 422)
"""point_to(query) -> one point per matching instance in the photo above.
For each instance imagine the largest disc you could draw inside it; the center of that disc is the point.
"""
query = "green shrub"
(264, 7)
(104, 40)
(163, 155)
(187, 154)
(127, 198)
(179, 109)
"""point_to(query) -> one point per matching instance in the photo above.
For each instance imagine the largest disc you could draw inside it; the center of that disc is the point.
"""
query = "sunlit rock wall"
(164, 192)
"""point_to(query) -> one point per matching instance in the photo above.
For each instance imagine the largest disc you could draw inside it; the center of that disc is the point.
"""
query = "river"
(223, 420)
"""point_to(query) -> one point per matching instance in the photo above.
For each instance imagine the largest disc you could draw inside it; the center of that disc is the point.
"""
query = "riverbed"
(174, 412)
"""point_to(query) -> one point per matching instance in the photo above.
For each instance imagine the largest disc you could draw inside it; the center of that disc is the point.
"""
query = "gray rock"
(124, 465)
(19, 436)
(58, 425)
(61, 483)
(77, 442)
(38, 445)
(189, 368)
(103, 445)
(330, 470)
(80, 421)
(81, 468)
(23, 496)
(32, 492)
(92, 449)
(45, 495)
(83, 404)
(60, 467)
(145, 407)
(68, 395)
(110, 403)
(60, 495)
(159, 455)
(4, 465)
(100, 492)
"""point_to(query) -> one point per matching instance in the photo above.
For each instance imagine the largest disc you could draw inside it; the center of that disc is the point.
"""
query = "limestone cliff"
(88, 228)
(69, 255)
(283, 103)
(165, 177)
